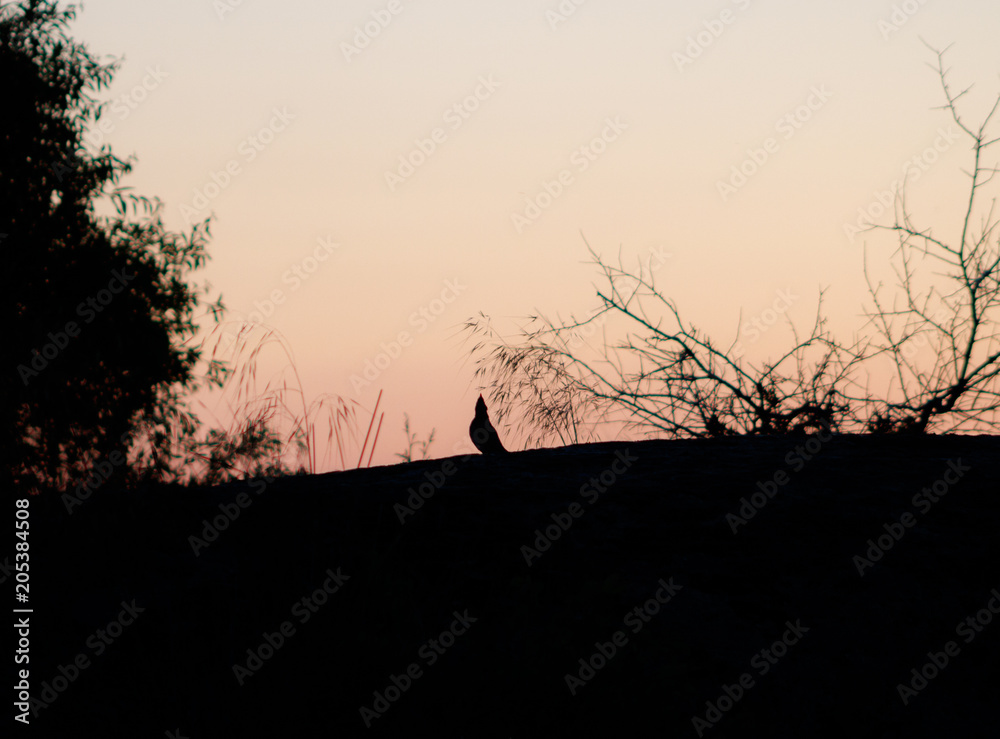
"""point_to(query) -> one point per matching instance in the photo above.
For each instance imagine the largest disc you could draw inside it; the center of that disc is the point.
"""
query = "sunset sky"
(396, 167)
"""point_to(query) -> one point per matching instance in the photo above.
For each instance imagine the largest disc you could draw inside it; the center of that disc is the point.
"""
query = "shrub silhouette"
(413, 441)
(275, 429)
(667, 377)
(957, 319)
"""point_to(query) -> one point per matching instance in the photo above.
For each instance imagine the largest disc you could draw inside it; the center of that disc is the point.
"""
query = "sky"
(380, 172)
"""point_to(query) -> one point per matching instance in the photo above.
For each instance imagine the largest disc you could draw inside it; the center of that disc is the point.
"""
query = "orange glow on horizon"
(378, 175)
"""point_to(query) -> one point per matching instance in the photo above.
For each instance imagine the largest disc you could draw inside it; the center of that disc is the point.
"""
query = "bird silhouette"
(484, 436)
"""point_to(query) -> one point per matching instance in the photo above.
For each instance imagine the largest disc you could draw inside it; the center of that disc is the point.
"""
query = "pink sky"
(388, 168)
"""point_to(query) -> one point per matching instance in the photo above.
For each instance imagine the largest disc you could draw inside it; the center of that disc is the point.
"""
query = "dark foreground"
(316, 612)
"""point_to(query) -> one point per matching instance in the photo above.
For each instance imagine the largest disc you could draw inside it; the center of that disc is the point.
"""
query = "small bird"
(484, 436)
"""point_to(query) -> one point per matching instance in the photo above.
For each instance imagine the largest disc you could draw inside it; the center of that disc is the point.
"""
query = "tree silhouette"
(101, 306)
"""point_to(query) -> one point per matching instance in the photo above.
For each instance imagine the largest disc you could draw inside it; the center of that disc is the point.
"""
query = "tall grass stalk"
(274, 418)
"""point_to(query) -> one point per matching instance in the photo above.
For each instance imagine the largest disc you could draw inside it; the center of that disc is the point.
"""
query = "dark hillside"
(780, 605)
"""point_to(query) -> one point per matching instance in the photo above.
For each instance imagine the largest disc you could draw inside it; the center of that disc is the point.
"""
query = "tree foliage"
(101, 307)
